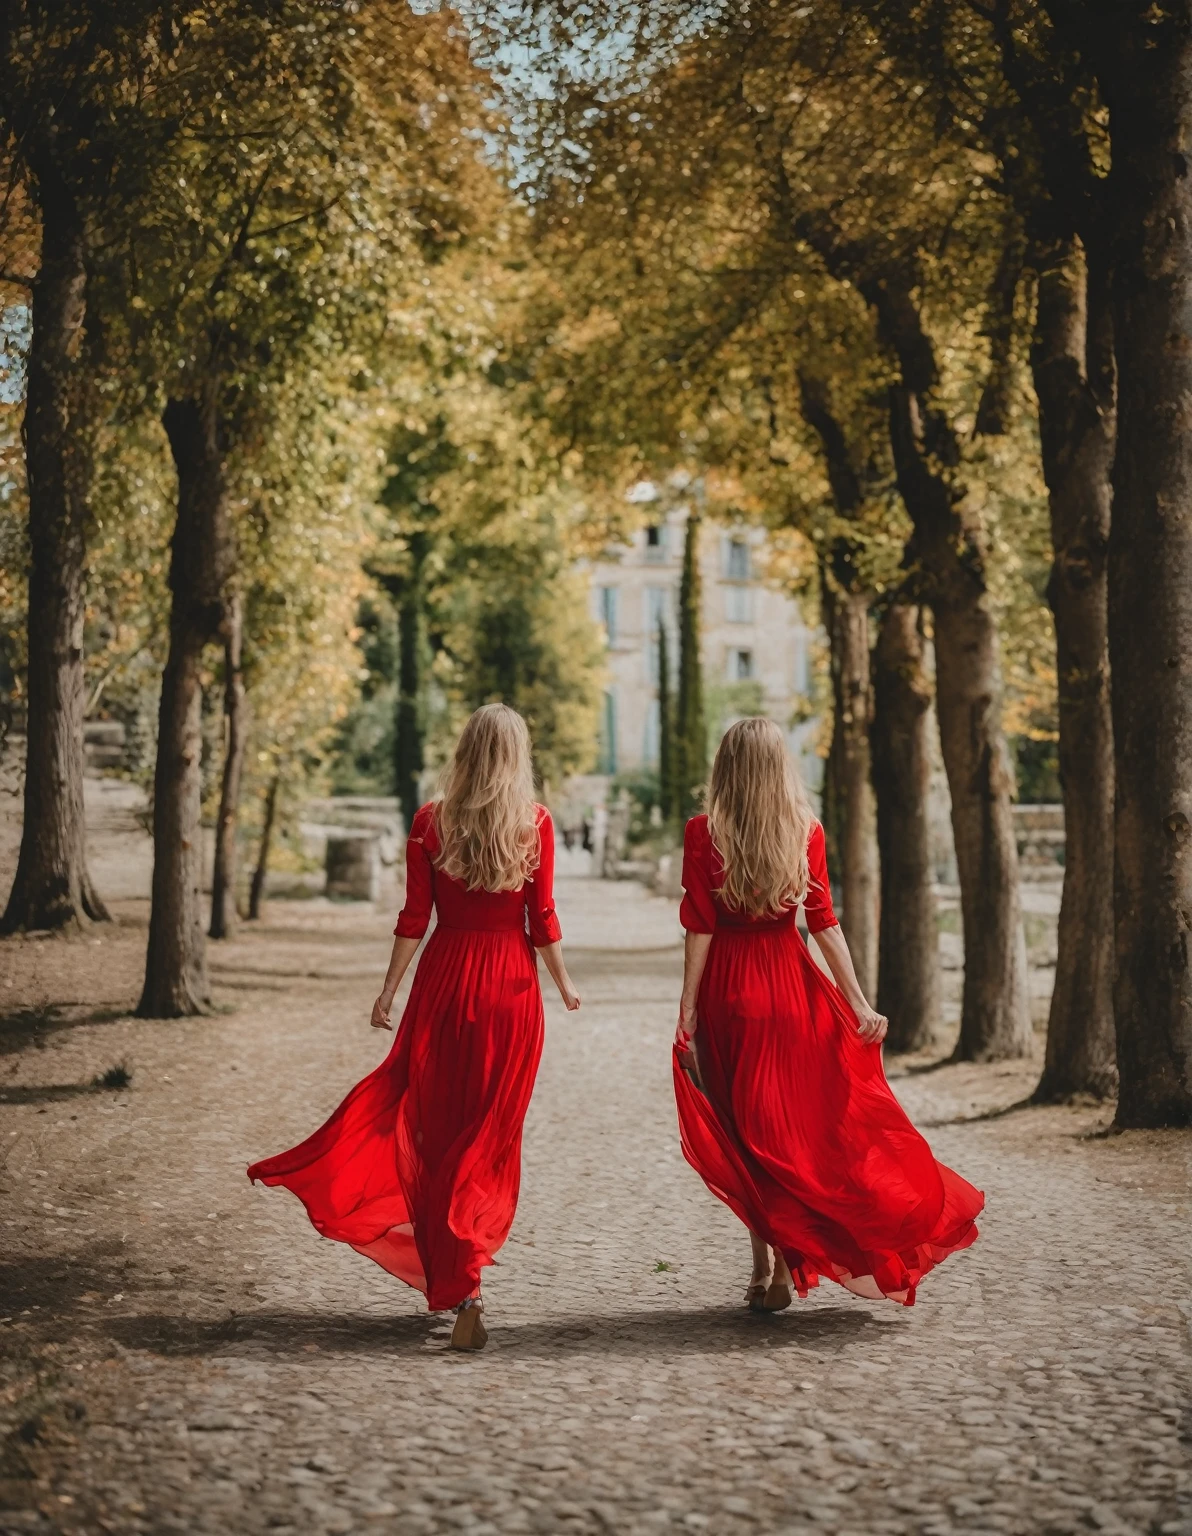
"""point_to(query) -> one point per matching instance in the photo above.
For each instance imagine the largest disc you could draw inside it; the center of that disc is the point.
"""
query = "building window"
(736, 562)
(738, 605)
(608, 735)
(656, 541)
(740, 666)
(608, 613)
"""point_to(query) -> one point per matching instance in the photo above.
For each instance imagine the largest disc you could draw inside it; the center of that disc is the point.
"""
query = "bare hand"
(380, 1014)
(570, 997)
(685, 1041)
(871, 1026)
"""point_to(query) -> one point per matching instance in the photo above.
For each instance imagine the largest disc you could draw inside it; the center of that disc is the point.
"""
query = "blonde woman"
(419, 1166)
(784, 1109)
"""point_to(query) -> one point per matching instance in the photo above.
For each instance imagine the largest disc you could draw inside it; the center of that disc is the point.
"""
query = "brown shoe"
(469, 1331)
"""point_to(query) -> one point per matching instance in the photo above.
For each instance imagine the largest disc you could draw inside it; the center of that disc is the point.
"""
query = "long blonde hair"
(759, 817)
(487, 818)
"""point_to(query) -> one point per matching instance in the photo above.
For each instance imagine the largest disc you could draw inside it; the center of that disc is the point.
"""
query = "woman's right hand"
(688, 1022)
(380, 1013)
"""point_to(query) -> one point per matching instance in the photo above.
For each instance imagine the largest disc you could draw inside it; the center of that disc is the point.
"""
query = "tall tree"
(272, 214)
(691, 738)
(850, 810)
(63, 111)
(409, 732)
(666, 728)
(779, 144)
(1144, 59)
(908, 962)
(1023, 91)
(1073, 365)
(225, 866)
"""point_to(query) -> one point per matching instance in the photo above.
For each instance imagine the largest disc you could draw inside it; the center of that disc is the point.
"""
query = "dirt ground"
(180, 1352)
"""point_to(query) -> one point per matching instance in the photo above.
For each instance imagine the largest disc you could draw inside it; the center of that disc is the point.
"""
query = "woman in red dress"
(419, 1167)
(784, 1109)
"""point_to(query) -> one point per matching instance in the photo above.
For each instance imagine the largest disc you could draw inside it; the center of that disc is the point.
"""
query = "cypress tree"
(691, 742)
(666, 744)
(409, 759)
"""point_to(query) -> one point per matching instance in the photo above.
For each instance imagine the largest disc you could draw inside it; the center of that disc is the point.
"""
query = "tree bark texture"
(256, 894)
(1149, 85)
(1073, 368)
(52, 887)
(200, 559)
(908, 959)
(851, 808)
(237, 723)
(409, 756)
(947, 548)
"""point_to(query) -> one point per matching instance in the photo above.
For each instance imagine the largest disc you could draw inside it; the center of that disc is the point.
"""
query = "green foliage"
(643, 790)
(726, 702)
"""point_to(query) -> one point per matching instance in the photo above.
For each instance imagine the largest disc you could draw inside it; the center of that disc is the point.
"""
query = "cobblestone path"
(181, 1353)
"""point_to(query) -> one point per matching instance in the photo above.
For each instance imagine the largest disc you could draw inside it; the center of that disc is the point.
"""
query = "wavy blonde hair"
(759, 817)
(486, 816)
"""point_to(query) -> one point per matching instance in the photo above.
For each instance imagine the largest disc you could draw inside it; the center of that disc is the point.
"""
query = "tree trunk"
(256, 895)
(852, 810)
(236, 714)
(1072, 362)
(948, 549)
(908, 958)
(848, 807)
(1150, 561)
(52, 887)
(409, 757)
(200, 558)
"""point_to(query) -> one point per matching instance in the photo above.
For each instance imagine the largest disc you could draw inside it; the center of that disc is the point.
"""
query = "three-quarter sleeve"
(817, 905)
(697, 913)
(414, 918)
(540, 888)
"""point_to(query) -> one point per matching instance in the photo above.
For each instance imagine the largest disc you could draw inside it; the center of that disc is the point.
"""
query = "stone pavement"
(179, 1352)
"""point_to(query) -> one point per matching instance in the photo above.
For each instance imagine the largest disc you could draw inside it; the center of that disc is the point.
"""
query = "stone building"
(757, 651)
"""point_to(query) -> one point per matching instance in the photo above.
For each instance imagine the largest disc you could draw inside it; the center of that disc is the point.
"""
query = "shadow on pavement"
(708, 1330)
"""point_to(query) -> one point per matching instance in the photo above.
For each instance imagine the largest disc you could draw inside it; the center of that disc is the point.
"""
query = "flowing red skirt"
(419, 1167)
(799, 1133)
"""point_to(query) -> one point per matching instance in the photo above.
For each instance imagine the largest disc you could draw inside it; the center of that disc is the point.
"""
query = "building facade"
(757, 651)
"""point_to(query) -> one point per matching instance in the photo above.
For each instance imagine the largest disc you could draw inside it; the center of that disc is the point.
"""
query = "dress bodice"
(530, 909)
(703, 875)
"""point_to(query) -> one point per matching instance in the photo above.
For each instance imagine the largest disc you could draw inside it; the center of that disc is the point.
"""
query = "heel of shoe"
(469, 1332)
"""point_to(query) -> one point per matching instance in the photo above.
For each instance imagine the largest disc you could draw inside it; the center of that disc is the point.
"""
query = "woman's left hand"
(380, 1014)
(871, 1026)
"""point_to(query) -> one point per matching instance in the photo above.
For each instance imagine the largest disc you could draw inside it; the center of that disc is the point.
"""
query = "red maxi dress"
(419, 1167)
(797, 1130)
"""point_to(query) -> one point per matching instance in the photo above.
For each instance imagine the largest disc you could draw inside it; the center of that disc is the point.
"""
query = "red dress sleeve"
(817, 904)
(540, 888)
(414, 918)
(698, 911)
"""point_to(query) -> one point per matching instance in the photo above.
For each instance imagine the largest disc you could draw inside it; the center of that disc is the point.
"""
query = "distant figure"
(587, 836)
(784, 1108)
(419, 1167)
